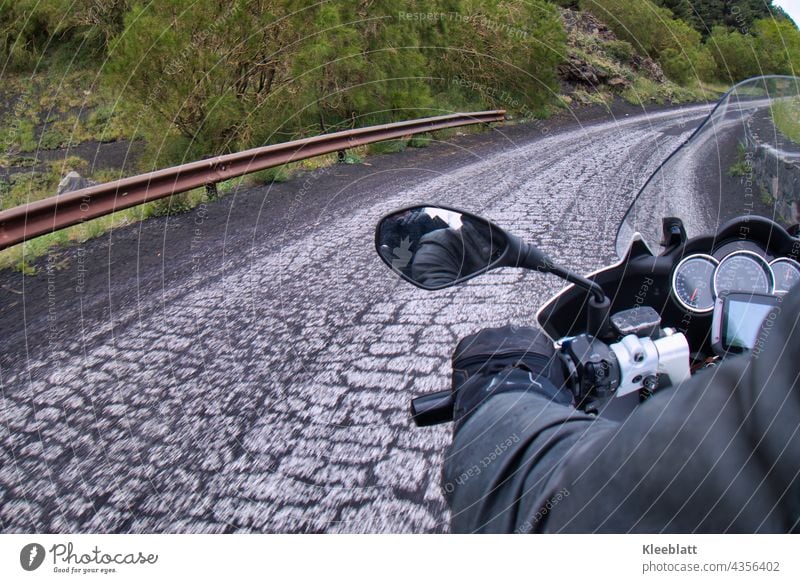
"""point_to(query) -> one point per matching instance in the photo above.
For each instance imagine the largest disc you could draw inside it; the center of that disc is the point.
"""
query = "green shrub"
(653, 31)
(620, 50)
(26, 187)
(52, 138)
(778, 45)
(103, 125)
(649, 28)
(705, 68)
(351, 157)
(787, 118)
(322, 67)
(387, 147)
(269, 175)
(676, 65)
(734, 54)
(175, 204)
(60, 168)
(420, 141)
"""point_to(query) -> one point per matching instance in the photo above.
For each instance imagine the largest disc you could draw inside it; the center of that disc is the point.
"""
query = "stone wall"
(777, 173)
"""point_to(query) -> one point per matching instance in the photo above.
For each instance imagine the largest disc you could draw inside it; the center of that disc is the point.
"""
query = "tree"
(735, 54)
(778, 46)
(199, 77)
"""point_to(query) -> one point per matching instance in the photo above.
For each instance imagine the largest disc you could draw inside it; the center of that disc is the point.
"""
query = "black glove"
(501, 360)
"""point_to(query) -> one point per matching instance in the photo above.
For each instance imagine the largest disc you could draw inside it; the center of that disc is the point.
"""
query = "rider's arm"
(719, 453)
(505, 460)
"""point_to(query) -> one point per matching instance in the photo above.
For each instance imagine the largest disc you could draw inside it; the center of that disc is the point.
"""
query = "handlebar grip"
(433, 408)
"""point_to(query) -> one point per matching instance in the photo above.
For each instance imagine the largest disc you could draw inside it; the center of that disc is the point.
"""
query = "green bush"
(388, 147)
(649, 28)
(778, 45)
(734, 54)
(269, 175)
(25, 187)
(175, 204)
(197, 80)
(17, 135)
(705, 68)
(420, 141)
(620, 50)
(676, 65)
(654, 32)
(67, 32)
(787, 118)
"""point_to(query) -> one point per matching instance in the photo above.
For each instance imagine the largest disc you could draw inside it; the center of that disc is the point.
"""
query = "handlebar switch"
(594, 367)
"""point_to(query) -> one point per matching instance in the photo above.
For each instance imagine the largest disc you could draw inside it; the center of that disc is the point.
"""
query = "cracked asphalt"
(248, 366)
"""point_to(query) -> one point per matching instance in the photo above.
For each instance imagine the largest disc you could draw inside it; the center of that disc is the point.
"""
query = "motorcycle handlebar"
(433, 408)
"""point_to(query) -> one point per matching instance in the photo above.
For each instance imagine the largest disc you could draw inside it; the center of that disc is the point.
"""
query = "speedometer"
(787, 273)
(745, 272)
(692, 283)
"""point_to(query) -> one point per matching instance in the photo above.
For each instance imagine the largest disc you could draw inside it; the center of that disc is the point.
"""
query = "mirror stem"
(531, 257)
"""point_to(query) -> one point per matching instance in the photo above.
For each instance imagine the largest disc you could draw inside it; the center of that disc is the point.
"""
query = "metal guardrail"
(58, 212)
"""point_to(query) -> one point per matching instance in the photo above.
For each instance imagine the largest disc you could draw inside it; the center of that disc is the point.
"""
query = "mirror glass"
(435, 247)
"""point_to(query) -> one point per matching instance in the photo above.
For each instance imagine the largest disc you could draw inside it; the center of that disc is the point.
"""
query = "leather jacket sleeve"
(720, 453)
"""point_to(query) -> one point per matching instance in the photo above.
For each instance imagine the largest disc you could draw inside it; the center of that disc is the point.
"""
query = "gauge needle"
(694, 295)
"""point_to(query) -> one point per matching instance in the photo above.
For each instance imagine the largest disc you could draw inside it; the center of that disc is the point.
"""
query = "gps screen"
(743, 323)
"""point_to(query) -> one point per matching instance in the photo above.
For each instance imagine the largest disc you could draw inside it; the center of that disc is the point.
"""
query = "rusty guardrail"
(58, 212)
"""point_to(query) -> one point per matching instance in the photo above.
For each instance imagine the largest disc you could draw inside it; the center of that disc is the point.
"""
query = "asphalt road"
(248, 366)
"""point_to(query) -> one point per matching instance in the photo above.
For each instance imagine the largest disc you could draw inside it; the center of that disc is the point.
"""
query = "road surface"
(248, 366)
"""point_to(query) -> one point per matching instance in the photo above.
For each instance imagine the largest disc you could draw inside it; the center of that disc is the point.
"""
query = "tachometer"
(787, 273)
(692, 283)
(745, 272)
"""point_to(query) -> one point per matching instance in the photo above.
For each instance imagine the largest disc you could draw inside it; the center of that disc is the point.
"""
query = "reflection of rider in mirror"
(446, 255)
(400, 235)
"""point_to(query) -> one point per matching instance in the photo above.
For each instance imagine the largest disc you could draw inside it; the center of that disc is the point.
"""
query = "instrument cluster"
(698, 279)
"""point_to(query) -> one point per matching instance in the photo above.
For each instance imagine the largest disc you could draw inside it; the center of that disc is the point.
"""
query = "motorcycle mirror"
(435, 247)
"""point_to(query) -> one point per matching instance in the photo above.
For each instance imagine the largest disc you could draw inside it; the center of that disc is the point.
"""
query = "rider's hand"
(502, 360)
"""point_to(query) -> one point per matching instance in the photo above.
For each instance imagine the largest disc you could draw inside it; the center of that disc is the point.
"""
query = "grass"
(765, 196)
(54, 109)
(22, 257)
(583, 97)
(25, 187)
(644, 90)
(270, 175)
(351, 157)
(387, 147)
(786, 114)
(420, 141)
(741, 167)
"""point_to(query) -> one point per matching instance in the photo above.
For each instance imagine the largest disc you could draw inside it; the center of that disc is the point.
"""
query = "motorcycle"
(708, 248)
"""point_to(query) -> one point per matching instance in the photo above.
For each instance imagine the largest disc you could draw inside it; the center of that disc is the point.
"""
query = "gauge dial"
(787, 273)
(692, 283)
(745, 272)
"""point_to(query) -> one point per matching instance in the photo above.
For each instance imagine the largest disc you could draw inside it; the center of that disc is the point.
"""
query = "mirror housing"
(435, 247)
